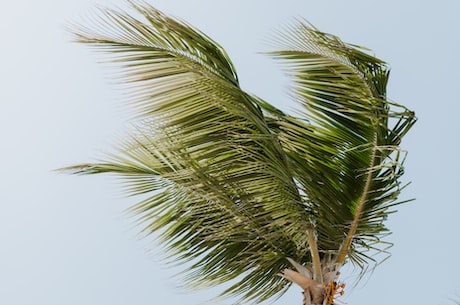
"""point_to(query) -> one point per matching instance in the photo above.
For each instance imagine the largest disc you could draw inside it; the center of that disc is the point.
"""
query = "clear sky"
(67, 239)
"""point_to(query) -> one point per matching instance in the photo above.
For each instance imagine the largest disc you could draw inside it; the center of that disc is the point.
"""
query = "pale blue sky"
(67, 240)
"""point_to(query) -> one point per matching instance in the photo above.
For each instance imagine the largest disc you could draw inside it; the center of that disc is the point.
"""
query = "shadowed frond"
(347, 157)
(233, 185)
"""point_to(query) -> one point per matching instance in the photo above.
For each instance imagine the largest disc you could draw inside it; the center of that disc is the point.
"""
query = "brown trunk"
(314, 296)
(315, 293)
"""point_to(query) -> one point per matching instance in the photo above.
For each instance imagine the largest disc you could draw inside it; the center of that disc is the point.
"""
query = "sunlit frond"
(217, 175)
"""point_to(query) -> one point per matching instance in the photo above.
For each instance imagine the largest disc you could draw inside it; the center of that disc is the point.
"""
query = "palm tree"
(240, 189)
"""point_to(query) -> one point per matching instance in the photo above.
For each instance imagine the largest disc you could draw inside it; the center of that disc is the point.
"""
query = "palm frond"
(216, 175)
(346, 157)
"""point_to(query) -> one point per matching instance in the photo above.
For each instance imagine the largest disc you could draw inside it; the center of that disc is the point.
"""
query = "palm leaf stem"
(313, 245)
(362, 201)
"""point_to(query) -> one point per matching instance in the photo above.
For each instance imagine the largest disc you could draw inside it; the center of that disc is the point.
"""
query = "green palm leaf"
(347, 158)
(233, 184)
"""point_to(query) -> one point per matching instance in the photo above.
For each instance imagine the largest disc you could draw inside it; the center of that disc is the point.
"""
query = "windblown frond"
(233, 184)
(217, 175)
(347, 159)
